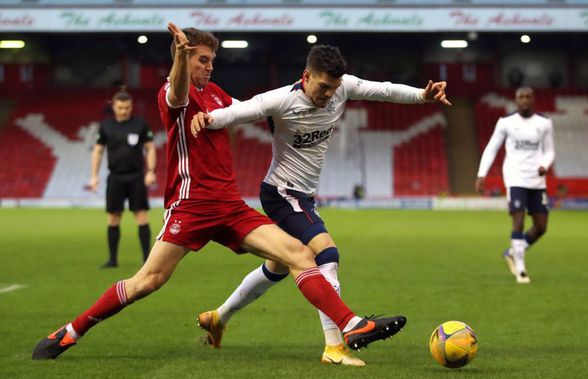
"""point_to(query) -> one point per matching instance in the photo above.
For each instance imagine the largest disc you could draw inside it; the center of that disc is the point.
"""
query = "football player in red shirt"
(203, 204)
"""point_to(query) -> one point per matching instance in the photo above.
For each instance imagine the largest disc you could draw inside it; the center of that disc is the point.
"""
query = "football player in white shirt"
(302, 118)
(528, 139)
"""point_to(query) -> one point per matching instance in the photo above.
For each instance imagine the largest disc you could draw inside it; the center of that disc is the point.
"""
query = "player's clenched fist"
(200, 121)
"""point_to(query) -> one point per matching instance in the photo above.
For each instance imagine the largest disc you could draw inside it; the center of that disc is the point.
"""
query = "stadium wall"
(422, 203)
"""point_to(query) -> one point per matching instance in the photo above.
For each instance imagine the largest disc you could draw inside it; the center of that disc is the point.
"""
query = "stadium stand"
(420, 173)
(50, 137)
(390, 149)
(252, 152)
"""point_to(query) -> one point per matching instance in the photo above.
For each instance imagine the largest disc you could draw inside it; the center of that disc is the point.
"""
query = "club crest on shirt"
(132, 139)
(331, 106)
(217, 100)
(175, 228)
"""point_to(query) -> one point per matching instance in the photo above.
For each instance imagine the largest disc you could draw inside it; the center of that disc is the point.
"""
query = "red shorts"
(193, 223)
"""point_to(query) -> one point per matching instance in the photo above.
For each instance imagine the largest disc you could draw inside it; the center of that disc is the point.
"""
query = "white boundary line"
(12, 287)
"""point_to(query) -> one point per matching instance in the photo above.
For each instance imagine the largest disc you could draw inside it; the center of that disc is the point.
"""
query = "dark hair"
(122, 95)
(197, 37)
(524, 89)
(325, 58)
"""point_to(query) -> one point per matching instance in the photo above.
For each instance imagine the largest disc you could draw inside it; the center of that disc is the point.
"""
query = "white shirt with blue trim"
(529, 145)
(301, 130)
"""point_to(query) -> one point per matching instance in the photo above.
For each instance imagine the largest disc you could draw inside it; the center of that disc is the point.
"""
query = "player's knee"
(114, 219)
(150, 284)
(141, 218)
(299, 256)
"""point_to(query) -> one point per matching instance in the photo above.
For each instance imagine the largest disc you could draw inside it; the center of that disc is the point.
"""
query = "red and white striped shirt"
(197, 168)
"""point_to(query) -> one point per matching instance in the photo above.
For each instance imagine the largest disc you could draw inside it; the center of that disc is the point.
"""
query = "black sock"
(145, 238)
(113, 238)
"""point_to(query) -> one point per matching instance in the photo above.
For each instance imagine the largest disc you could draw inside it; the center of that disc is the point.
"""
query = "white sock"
(352, 323)
(71, 331)
(332, 333)
(253, 286)
(332, 336)
(518, 247)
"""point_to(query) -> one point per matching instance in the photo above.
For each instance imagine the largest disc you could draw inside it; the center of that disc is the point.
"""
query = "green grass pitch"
(431, 266)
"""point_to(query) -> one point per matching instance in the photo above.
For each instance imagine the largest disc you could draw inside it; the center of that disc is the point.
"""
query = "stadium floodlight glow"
(12, 44)
(311, 38)
(454, 43)
(525, 38)
(234, 44)
(142, 39)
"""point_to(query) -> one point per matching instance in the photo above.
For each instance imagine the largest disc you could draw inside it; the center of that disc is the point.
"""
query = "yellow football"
(453, 344)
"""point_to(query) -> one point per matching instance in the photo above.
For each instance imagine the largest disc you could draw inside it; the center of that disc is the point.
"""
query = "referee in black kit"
(126, 138)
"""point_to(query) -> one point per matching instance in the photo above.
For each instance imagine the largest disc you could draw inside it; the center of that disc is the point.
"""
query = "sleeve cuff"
(183, 105)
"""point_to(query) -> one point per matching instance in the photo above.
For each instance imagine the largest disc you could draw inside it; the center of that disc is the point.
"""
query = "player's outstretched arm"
(361, 89)
(257, 108)
(435, 92)
(179, 76)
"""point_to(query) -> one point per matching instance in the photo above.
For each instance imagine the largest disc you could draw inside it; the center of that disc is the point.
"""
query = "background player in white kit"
(529, 154)
(302, 118)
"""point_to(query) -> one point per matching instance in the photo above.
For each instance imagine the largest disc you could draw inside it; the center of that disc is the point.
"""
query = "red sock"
(321, 294)
(109, 304)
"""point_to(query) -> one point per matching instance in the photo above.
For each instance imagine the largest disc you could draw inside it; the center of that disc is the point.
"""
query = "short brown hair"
(197, 37)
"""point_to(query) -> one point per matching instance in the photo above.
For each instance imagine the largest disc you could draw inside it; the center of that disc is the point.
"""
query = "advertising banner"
(308, 19)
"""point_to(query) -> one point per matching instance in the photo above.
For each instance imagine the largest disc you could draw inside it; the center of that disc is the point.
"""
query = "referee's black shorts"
(126, 186)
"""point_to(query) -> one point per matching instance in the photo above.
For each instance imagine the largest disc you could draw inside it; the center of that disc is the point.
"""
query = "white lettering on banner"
(421, 19)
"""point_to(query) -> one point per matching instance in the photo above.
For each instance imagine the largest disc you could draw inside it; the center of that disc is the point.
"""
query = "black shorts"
(534, 200)
(293, 211)
(126, 186)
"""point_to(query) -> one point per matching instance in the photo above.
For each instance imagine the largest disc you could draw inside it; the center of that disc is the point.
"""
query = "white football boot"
(508, 258)
(520, 269)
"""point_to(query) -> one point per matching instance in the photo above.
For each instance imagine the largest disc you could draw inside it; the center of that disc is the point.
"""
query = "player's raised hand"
(182, 43)
(435, 92)
(480, 184)
(200, 121)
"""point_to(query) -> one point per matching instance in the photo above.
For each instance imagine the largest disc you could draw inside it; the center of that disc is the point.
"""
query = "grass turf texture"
(429, 266)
